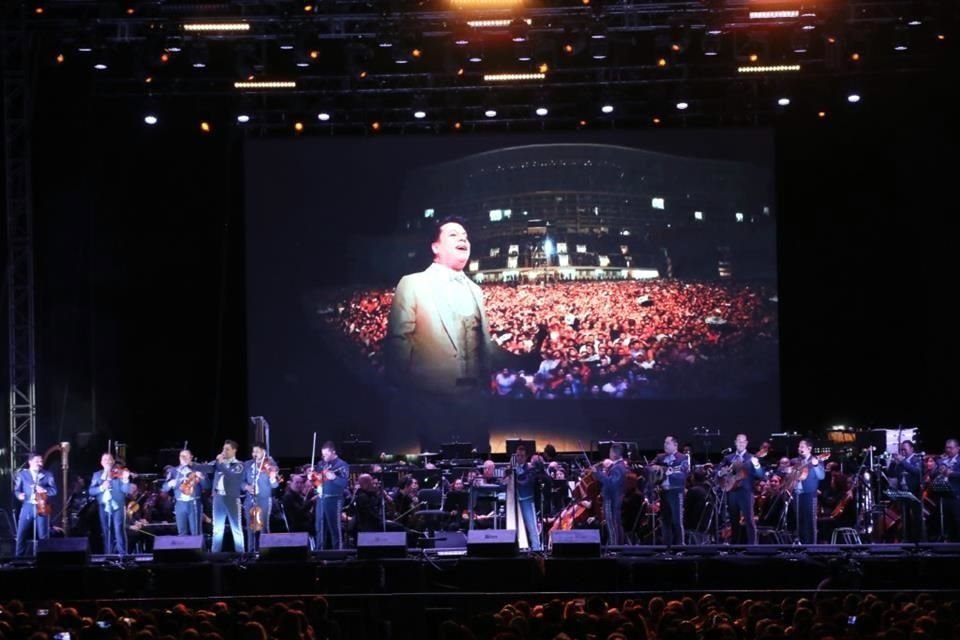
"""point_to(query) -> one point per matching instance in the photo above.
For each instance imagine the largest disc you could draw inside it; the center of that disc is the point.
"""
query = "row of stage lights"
(152, 117)
(100, 61)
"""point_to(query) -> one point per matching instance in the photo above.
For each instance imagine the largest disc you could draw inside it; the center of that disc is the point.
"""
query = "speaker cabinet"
(375, 544)
(492, 543)
(284, 546)
(178, 548)
(576, 543)
(58, 552)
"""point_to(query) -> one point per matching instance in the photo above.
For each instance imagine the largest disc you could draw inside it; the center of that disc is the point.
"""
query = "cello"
(586, 495)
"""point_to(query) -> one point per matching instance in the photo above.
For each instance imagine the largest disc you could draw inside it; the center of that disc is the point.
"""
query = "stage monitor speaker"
(58, 552)
(284, 546)
(386, 544)
(576, 543)
(492, 543)
(177, 548)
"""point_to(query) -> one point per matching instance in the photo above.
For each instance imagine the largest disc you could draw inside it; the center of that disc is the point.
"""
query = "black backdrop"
(139, 237)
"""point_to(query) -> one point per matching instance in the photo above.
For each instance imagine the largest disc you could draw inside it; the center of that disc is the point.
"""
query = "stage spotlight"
(542, 111)
(419, 115)
(682, 106)
(323, 116)
(606, 108)
(784, 102)
(599, 49)
(853, 98)
(474, 53)
(800, 41)
(900, 38)
(519, 30)
(205, 127)
(243, 118)
(100, 66)
(298, 127)
(199, 56)
(523, 52)
(490, 113)
(711, 44)
(150, 119)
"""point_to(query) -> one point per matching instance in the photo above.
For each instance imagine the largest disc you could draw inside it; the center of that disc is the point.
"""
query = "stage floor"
(625, 570)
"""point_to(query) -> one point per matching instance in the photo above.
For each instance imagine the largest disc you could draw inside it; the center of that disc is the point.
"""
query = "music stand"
(907, 497)
(942, 490)
(490, 491)
(456, 451)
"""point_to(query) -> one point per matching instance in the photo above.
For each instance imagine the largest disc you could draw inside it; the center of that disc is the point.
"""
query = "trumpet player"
(32, 487)
(906, 472)
(187, 481)
(259, 481)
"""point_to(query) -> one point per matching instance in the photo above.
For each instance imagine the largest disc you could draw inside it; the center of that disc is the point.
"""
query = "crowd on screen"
(852, 616)
(608, 338)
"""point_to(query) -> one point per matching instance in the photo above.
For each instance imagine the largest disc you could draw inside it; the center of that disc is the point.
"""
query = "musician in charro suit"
(949, 468)
(741, 469)
(906, 473)
(28, 484)
(811, 473)
(613, 480)
(676, 467)
(187, 508)
(110, 487)
(259, 481)
(227, 494)
(525, 474)
(332, 475)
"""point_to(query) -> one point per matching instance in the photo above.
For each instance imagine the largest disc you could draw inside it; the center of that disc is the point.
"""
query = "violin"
(43, 507)
(118, 471)
(189, 483)
(256, 518)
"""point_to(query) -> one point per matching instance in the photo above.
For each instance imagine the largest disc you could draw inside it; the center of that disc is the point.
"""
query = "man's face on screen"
(452, 247)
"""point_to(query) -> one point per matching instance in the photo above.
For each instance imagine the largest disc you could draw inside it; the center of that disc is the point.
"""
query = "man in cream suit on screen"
(437, 338)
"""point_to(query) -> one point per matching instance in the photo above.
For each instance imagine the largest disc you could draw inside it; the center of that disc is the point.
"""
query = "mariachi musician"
(738, 471)
(110, 486)
(676, 466)
(948, 470)
(810, 474)
(259, 480)
(330, 477)
(525, 474)
(32, 487)
(613, 480)
(227, 493)
(906, 473)
(187, 482)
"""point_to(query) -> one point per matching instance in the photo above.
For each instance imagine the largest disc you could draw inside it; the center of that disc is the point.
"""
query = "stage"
(453, 572)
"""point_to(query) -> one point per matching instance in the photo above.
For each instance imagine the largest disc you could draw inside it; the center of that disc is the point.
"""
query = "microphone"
(726, 451)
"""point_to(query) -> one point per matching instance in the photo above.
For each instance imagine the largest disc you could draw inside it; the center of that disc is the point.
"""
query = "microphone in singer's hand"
(726, 451)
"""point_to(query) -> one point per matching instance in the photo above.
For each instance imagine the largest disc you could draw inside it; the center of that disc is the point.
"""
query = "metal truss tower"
(15, 62)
